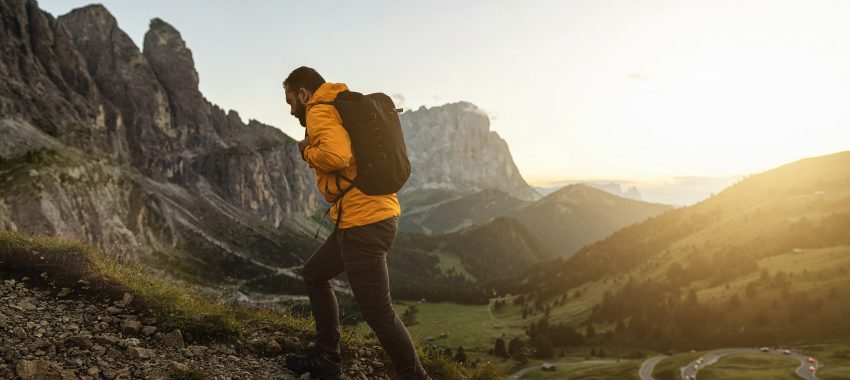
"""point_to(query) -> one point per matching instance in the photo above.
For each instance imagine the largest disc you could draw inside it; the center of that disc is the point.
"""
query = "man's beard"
(301, 114)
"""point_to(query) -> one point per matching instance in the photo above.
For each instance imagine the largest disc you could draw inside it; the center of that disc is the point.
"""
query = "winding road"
(713, 356)
(649, 365)
(709, 358)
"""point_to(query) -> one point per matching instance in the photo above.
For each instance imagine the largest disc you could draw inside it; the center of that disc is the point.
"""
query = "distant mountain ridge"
(577, 215)
(631, 191)
(565, 220)
(764, 262)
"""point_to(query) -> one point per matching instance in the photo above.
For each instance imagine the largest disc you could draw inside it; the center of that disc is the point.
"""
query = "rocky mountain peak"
(94, 29)
(172, 63)
(452, 147)
(41, 69)
(137, 102)
(169, 57)
(96, 14)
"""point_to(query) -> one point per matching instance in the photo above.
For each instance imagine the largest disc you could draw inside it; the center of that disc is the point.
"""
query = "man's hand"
(301, 146)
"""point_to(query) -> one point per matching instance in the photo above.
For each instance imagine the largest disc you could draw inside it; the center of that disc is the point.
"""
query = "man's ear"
(303, 95)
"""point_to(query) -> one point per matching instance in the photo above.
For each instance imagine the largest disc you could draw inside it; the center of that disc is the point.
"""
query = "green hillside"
(448, 213)
(500, 248)
(496, 236)
(750, 366)
(766, 261)
(461, 266)
(577, 215)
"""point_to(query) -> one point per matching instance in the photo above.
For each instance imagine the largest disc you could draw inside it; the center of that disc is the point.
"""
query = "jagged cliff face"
(451, 147)
(177, 135)
(104, 142)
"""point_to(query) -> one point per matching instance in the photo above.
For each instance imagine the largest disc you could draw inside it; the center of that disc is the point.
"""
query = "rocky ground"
(58, 334)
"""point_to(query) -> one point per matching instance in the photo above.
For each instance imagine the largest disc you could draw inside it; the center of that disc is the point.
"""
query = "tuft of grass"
(439, 366)
(488, 371)
(181, 308)
(190, 374)
(16, 171)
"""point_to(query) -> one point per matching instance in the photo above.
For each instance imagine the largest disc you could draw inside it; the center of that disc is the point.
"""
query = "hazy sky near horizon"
(638, 90)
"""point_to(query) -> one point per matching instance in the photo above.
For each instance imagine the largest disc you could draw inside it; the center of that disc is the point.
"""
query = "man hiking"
(365, 230)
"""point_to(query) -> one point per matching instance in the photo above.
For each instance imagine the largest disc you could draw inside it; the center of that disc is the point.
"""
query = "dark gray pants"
(362, 253)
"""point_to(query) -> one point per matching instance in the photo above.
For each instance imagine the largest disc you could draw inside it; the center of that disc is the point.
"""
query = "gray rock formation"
(451, 147)
(106, 143)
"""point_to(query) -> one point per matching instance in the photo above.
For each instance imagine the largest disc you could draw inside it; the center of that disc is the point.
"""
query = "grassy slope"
(469, 326)
(753, 218)
(497, 249)
(751, 366)
(472, 327)
(65, 263)
(461, 266)
(451, 262)
(820, 263)
(469, 210)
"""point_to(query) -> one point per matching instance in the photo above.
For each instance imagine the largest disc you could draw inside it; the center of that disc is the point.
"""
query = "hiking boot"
(322, 366)
(415, 373)
(421, 375)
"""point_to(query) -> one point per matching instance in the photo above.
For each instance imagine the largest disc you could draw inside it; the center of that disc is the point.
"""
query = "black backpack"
(377, 143)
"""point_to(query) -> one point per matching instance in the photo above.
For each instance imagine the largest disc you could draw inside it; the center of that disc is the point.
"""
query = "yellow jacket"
(330, 151)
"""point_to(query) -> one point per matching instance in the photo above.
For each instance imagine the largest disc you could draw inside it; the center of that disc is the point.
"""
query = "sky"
(628, 90)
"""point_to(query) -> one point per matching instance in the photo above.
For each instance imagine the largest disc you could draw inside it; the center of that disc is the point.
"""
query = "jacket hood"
(326, 93)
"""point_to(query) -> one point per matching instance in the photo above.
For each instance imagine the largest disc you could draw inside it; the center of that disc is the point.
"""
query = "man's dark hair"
(303, 76)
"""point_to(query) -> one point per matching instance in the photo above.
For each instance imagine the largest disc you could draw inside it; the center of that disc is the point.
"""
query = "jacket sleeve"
(330, 147)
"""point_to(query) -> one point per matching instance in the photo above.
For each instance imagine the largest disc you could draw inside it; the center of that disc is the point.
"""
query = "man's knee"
(313, 277)
(377, 313)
